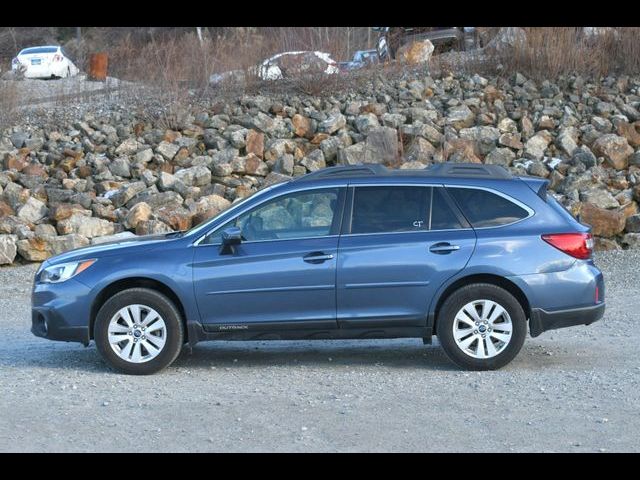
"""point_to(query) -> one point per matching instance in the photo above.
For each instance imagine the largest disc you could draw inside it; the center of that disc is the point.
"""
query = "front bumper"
(61, 311)
(542, 320)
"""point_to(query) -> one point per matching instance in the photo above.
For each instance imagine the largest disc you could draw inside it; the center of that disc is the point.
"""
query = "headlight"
(63, 271)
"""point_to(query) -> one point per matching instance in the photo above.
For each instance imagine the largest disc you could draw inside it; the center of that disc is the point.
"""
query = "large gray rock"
(460, 117)
(39, 249)
(485, 137)
(195, 176)
(501, 156)
(8, 249)
(631, 240)
(333, 123)
(314, 161)
(366, 122)
(167, 150)
(85, 226)
(599, 197)
(128, 147)
(33, 210)
(633, 223)
(535, 147)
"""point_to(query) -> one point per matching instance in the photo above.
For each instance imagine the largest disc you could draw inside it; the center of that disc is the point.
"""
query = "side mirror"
(231, 237)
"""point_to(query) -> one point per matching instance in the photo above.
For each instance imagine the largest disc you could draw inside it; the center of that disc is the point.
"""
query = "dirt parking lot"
(569, 390)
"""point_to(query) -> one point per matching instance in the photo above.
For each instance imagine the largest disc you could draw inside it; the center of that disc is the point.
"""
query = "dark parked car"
(362, 58)
(467, 252)
(391, 39)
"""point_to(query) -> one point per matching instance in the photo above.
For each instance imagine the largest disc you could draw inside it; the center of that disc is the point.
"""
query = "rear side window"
(401, 209)
(486, 209)
(390, 209)
(442, 217)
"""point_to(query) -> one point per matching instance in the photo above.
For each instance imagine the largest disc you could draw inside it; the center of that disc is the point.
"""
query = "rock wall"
(110, 171)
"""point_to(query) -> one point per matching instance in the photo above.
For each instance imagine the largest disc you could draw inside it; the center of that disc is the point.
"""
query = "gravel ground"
(571, 390)
(32, 90)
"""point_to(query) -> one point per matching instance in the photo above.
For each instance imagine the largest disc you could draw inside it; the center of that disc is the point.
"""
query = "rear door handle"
(317, 257)
(443, 247)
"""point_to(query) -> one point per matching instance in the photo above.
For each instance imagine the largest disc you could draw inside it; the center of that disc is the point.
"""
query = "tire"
(141, 351)
(505, 333)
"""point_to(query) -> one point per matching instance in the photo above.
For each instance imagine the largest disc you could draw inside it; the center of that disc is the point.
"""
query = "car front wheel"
(481, 327)
(139, 331)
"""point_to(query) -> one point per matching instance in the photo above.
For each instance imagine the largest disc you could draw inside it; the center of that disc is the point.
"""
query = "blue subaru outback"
(466, 252)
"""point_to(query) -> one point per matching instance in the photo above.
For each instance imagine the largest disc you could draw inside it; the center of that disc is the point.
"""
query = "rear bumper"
(542, 320)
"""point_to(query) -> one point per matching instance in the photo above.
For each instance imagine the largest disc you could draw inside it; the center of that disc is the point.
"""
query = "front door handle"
(317, 257)
(443, 248)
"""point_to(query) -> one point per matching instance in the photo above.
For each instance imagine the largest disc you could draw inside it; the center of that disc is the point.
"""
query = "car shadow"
(388, 353)
(400, 353)
(394, 353)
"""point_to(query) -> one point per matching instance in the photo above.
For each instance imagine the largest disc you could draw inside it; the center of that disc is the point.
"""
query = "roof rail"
(345, 171)
(452, 169)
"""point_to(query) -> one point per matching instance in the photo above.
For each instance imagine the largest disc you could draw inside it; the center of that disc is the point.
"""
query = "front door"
(402, 243)
(283, 272)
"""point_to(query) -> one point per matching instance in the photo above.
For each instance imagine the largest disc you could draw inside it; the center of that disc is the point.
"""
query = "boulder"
(195, 176)
(460, 117)
(333, 123)
(139, 212)
(302, 126)
(500, 156)
(33, 210)
(128, 147)
(314, 161)
(599, 197)
(631, 240)
(604, 223)
(85, 226)
(416, 53)
(152, 227)
(633, 223)
(255, 143)
(8, 249)
(615, 150)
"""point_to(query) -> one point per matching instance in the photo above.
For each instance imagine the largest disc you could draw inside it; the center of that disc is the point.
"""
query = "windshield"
(203, 227)
(28, 51)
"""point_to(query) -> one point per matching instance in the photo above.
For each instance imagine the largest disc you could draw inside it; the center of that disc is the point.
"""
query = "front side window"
(486, 209)
(292, 216)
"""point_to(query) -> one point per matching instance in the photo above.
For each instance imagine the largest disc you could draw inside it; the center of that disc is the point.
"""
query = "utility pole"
(79, 34)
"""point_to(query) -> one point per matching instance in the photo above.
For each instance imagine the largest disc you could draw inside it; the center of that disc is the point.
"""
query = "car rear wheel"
(139, 331)
(481, 327)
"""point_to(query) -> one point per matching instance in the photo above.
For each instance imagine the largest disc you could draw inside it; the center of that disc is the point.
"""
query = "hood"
(115, 247)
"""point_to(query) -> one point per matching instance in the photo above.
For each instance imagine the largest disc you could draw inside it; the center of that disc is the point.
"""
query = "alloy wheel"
(482, 329)
(137, 333)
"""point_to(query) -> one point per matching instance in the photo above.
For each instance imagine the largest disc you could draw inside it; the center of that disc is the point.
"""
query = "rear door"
(399, 244)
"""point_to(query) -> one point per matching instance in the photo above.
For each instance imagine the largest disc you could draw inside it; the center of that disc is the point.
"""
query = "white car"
(288, 64)
(44, 62)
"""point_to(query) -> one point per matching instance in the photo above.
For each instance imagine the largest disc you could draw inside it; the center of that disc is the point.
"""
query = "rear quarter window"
(486, 209)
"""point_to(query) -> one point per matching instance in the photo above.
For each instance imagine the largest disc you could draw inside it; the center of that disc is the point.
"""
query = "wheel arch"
(493, 279)
(135, 282)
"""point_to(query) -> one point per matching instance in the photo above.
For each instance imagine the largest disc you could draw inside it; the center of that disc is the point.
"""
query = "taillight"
(57, 58)
(578, 245)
